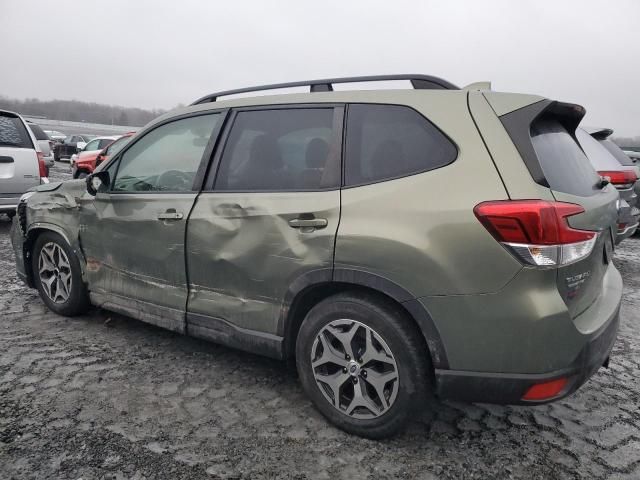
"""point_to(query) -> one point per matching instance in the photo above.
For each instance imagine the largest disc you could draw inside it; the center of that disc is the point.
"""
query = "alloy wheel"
(54, 271)
(354, 369)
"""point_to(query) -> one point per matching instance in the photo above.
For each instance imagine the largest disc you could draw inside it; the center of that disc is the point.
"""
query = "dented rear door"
(268, 219)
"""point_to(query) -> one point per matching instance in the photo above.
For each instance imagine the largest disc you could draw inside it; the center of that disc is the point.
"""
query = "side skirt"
(168, 318)
(220, 331)
(206, 327)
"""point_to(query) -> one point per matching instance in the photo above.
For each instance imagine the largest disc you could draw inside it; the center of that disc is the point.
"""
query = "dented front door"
(269, 221)
(133, 236)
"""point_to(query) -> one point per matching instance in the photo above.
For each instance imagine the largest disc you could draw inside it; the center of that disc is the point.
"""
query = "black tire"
(403, 339)
(10, 214)
(78, 298)
(82, 174)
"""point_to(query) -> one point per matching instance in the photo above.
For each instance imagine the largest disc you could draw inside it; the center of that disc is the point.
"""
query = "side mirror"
(97, 182)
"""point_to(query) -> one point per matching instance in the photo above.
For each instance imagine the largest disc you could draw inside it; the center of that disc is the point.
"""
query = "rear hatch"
(19, 169)
(568, 173)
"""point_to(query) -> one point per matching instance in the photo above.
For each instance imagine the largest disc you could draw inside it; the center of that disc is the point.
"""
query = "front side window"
(167, 158)
(281, 150)
(92, 145)
(391, 141)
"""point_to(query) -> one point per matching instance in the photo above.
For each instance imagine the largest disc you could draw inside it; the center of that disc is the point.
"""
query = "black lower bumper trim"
(508, 388)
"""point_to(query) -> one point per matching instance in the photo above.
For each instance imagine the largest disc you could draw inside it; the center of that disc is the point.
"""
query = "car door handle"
(6, 159)
(170, 215)
(308, 223)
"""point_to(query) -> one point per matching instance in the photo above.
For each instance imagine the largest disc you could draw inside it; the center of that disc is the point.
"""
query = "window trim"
(205, 160)
(338, 143)
(344, 185)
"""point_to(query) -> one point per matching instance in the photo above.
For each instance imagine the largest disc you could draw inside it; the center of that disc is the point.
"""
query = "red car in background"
(85, 165)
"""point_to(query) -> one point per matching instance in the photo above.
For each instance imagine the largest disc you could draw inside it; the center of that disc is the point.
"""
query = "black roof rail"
(419, 82)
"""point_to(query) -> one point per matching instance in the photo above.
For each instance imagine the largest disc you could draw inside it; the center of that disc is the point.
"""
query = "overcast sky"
(157, 53)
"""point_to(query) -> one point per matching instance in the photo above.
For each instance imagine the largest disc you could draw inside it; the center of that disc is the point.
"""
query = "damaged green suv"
(395, 243)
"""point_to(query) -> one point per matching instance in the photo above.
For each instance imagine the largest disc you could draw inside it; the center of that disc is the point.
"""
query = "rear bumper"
(626, 232)
(501, 388)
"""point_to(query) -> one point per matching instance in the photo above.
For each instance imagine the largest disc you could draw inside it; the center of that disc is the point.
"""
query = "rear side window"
(116, 146)
(104, 142)
(13, 133)
(38, 132)
(564, 164)
(281, 150)
(390, 141)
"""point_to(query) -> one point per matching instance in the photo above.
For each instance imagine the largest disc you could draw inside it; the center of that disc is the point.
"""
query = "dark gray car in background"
(623, 177)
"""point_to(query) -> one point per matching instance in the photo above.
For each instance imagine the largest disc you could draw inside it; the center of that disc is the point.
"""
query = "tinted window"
(563, 162)
(280, 150)
(167, 158)
(104, 143)
(92, 146)
(116, 146)
(13, 132)
(38, 132)
(617, 152)
(389, 141)
(599, 156)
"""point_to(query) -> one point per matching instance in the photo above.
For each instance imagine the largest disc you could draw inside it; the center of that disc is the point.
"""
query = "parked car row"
(17, 174)
(92, 156)
(616, 168)
(393, 243)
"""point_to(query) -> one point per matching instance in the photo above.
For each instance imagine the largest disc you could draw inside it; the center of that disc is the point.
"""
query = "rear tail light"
(42, 168)
(546, 390)
(621, 179)
(536, 231)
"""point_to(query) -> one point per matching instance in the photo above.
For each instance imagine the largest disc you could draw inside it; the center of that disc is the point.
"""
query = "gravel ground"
(105, 396)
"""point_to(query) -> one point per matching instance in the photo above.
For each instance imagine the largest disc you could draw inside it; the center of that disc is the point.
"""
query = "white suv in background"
(21, 161)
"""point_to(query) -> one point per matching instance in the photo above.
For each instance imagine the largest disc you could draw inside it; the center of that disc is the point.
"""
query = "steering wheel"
(174, 180)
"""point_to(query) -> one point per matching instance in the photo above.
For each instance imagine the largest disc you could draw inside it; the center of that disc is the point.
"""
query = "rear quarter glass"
(13, 132)
(564, 164)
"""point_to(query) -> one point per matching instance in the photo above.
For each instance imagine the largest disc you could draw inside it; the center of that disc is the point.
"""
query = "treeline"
(76, 111)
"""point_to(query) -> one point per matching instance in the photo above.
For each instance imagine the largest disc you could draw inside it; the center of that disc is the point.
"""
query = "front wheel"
(363, 363)
(58, 276)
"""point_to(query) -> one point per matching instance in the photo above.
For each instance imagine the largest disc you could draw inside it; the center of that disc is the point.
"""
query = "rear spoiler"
(599, 133)
(518, 126)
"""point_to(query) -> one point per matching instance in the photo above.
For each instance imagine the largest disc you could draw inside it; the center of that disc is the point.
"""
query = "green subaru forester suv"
(394, 243)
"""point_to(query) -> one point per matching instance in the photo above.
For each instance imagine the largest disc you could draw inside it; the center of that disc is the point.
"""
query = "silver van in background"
(21, 161)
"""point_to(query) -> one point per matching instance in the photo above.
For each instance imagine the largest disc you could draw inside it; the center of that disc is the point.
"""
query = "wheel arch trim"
(358, 278)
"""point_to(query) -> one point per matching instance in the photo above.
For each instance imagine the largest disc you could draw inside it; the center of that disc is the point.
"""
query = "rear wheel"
(81, 174)
(363, 364)
(58, 276)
